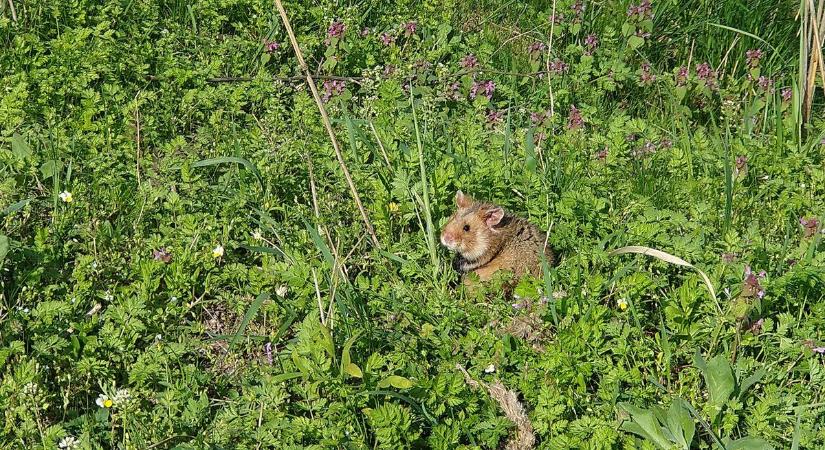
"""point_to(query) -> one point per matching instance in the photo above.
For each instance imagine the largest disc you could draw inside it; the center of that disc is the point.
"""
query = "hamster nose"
(447, 240)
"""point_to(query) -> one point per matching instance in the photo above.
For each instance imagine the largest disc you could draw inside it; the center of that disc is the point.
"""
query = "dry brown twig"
(524, 439)
(327, 124)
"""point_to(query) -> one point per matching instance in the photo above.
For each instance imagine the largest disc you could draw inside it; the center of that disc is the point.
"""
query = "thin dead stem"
(549, 55)
(13, 11)
(327, 124)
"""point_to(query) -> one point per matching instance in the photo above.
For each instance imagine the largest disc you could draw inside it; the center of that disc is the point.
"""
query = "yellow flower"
(622, 304)
(393, 207)
(104, 401)
(66, 196)
(217, 252)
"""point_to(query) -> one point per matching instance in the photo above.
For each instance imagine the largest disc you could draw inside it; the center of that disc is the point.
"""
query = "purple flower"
(640, 11)
(728, 257)
(591, 41)
(646, 77)
(704, 71)
(810, 225)
(365, 32)
(602, 154)
(386, 38)
(707, 74)
(535, 47)
(820, 350)
(556, 19)
(578, 8)
(558, 66)
(632, 137)
(389, 69)
(162, 255)
(469, 62)
(336, 29)
(765, 83)
(665, 143)
(648, 148)
(268, 351)
(536, 117)
(487, 87)
(333, 87)
(753, 56)
(751, 286)
(786, 93)
(409, 28)
(453, 91)
(757, 326)
(682, 76)
(494, 117)
(574, 121)
(272, 46)
(642, 34)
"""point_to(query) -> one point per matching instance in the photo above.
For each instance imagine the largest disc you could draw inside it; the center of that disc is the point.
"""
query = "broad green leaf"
(326, 341)
(749, 443)
(635, 42)
(20, 147)
(680, 423)
(353, 370)
(14, 207)
(751, 380)
(645, 425)
(4, 248)
(285, 376)
(530, 151)
(346, 361)
(300, 363)
(396, 382)
(720, 381)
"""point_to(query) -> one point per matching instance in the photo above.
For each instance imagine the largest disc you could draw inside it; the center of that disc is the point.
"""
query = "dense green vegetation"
(182, 264)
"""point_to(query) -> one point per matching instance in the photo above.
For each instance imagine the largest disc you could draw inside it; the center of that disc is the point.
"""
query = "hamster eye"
(466, 228)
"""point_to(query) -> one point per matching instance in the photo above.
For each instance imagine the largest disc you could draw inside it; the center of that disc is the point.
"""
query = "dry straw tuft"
(524, 439)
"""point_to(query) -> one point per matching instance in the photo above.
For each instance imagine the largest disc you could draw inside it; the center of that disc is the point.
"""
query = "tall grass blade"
(250, 314)
(668, 258)
(430, 238)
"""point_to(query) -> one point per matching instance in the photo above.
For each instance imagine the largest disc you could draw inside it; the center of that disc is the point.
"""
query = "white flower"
(69, 443)
(257, 235)
(121, 395)
(66, 196)
(108, 296)
(281, 291)
(490, 369)
(104, 401)
(217, 252)
(94, 265)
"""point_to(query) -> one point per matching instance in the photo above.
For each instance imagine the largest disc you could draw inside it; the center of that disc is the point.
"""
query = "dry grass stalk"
(327, 124)
(812, 31)
(524, 439)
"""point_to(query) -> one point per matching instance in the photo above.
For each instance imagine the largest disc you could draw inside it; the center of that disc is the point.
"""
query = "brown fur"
(488, 239)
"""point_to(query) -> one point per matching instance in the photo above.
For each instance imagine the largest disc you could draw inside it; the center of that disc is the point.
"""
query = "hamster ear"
(461, 200)
(493, 216)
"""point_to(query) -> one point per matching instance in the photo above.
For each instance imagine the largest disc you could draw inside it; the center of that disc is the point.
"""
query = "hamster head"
(471, 228)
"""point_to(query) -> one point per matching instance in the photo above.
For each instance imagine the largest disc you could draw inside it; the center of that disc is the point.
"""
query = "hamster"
(486, 239)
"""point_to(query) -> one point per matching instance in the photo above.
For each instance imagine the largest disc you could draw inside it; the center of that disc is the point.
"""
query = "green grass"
(304, 334)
